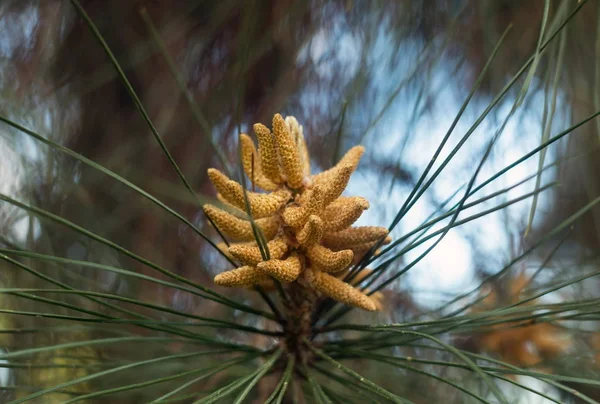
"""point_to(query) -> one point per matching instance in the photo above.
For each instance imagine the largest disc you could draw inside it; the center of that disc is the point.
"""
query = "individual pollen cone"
(251, 165)
(339, 181)
(298, 135)
(361, 249)
(230, 206)
(261, 205)
(351, 158)
(288, 152)
(312, 232)
(267, 151)
(359, 277)
(338, 290)
(328, 261)
(283, 270)
(232, 193)
(220, 181)
(243, 276)
(376, 297)
(343, 212)
(364, 247)
(354, 236)
(296, 216)
(250, 254)
(240, 229)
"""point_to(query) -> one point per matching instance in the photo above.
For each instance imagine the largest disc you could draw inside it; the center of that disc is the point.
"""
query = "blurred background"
(390, 75)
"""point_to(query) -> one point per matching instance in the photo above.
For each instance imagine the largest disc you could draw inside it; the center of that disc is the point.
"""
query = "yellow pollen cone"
(243, 276)
(220, 181)
(328, 261)
(261, 205)
(267, 151)
(283, 270)
(288, 152)
(296, 216)
(343, 212)
(232, 193)
(351, 158)
(338, 290)
(361, 249)
(249, 254)
(240, 229)
(354, 236)
(298, 134)
(333, 188)
(232, 208)
(359, 277)
(251, 165)
(377, 297)
(312, 232)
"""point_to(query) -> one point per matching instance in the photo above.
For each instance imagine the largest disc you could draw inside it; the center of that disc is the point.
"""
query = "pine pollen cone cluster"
(517, 342)
(303, 218)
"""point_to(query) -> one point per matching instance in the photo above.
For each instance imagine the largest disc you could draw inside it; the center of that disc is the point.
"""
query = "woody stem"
(298, 313)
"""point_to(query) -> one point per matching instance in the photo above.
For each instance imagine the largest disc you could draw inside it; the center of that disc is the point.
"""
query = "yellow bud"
(343, 212)
(298, 134)
(336, 184)
(240, 229)
(351, 159)
(361, 249)
(328, 261)
(267, 150)
(359, 277)
(232, 193)
(230, 207)
(312, 232)
(261, 205)
(296, 216)
(354, 236)
(288, 152)
(352, 156)
(377, 297)
(251, 165)
(338, 290)
(283, 270)
(243, 276)
(220, 181)
(249, 254)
